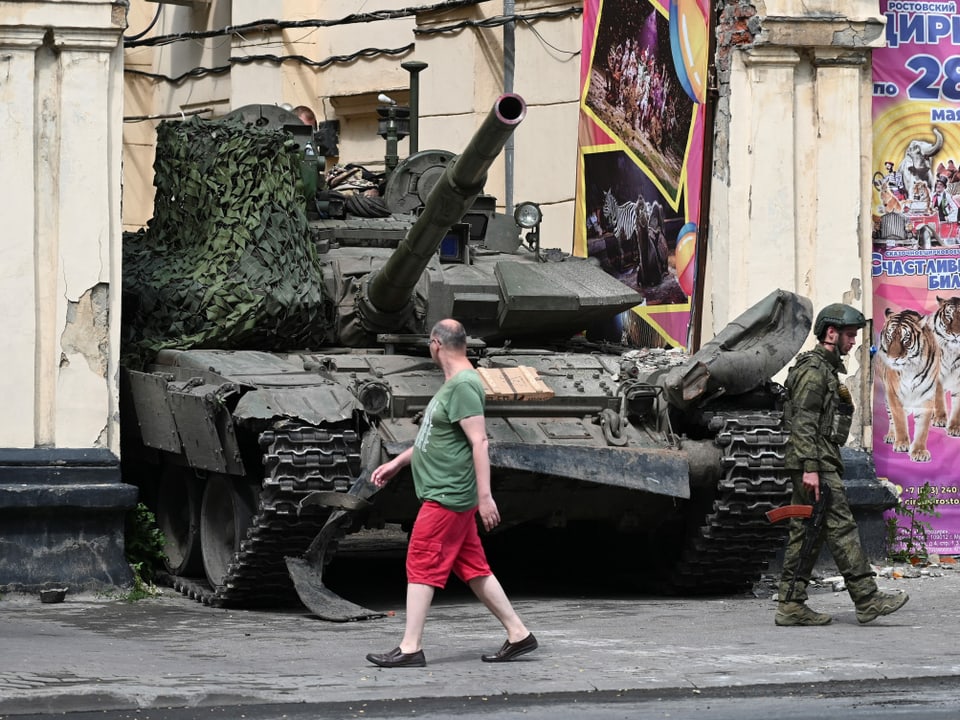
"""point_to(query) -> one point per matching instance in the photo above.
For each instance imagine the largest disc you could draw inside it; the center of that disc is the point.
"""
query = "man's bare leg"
(419, 598)
(491, 593)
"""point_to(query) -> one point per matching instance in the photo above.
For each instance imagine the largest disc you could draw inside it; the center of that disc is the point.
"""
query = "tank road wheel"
(224, 519)
(178, 517)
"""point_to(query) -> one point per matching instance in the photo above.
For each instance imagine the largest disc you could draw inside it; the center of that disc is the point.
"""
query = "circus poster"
(916, 263)
(643, 85)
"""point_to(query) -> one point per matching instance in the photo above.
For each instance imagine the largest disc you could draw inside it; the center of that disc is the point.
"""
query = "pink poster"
(916, 260)
(643, 76)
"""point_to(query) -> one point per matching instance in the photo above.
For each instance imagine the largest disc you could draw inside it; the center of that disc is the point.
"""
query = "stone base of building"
(62, 520)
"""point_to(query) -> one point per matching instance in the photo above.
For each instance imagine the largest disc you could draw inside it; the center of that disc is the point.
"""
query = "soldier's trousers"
(839, 531)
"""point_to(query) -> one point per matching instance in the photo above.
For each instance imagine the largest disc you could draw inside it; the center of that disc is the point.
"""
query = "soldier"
(818, 413)
(306, 115)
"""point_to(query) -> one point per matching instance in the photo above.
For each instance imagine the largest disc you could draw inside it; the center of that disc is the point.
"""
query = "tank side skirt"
(657, 470)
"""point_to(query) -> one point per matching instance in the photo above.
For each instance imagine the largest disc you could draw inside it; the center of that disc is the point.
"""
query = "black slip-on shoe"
(397, 658)
(509, 651)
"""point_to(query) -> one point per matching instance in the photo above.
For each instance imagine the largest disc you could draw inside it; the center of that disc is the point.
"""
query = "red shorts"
(443, 541)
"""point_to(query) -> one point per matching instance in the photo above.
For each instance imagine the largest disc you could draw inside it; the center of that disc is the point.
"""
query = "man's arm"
(383, 473)
(807, 399)
(475, 428)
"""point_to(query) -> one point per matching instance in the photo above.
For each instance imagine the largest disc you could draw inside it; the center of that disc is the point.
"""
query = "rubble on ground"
(933, 566)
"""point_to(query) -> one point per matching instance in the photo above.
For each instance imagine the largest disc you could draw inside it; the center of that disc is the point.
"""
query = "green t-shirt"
(442, 457)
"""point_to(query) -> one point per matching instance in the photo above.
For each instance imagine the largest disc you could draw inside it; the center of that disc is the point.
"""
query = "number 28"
(929, 70)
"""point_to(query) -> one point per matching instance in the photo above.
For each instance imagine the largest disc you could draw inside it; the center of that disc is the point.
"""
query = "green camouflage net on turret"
(226, 261)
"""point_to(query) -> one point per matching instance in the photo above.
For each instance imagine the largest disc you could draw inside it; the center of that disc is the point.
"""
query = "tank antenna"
(414, 67)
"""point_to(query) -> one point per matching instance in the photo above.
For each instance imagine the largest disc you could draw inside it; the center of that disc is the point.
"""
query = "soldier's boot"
(880, 603)
(796, 613)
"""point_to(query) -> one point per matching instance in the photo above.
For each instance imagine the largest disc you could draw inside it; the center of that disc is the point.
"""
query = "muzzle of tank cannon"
(386, 303)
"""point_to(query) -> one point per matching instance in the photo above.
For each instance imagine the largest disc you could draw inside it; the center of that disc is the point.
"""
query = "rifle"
(816, 513)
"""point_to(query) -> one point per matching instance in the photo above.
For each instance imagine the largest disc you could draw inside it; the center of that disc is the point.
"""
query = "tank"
(251, 424)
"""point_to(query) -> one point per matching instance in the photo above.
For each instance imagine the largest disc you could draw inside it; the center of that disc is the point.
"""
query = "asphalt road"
(920, 699)
(598, 651)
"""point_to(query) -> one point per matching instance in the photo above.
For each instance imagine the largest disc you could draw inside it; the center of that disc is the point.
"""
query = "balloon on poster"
(686, 257)
(689, 41)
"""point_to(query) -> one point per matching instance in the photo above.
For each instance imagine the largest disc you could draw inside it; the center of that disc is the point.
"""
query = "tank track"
(736, 542)
(297, 460)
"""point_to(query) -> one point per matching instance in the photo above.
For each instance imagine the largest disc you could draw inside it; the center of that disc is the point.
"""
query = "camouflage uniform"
(819, 421)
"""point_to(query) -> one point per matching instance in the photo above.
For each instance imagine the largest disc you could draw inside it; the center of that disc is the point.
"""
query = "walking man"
(818, 413)
(451, 476)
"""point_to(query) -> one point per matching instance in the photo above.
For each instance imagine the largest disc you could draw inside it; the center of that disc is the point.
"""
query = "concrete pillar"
(790, 193)
(752, 227)
(61, 498)
(18, 276)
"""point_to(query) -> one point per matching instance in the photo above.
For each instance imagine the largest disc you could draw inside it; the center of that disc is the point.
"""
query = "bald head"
(451, 334)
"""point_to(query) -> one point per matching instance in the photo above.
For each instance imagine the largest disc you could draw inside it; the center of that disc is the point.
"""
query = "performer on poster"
(944, 203)
(641, 145)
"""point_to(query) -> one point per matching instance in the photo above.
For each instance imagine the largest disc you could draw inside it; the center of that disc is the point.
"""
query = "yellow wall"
(464, 77)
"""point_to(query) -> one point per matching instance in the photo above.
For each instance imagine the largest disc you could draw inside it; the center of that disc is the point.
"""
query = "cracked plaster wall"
(82, 377)
(789, 204)
(61, 89)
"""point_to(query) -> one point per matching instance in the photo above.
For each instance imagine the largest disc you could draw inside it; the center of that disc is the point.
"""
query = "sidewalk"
(98, 653)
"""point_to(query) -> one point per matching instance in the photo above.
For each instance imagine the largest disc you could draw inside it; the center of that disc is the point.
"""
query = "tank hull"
(262, 433)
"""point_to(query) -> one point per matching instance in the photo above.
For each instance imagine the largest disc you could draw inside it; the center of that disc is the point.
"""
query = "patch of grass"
(144, 543)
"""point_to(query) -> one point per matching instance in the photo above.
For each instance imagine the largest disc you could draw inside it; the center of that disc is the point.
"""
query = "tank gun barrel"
(389, 290)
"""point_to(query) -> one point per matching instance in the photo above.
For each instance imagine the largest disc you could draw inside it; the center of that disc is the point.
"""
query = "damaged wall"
(790, 189)
(61, 65)
(84, 368)
(62, 503)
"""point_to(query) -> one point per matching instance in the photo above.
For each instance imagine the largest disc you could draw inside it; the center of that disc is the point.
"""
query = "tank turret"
(433, 245)
(390, 289)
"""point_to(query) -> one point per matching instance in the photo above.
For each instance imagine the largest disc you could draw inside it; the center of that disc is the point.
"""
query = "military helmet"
(838, 315)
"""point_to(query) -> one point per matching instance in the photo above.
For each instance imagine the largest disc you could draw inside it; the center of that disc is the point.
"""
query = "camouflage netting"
(226, 261)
